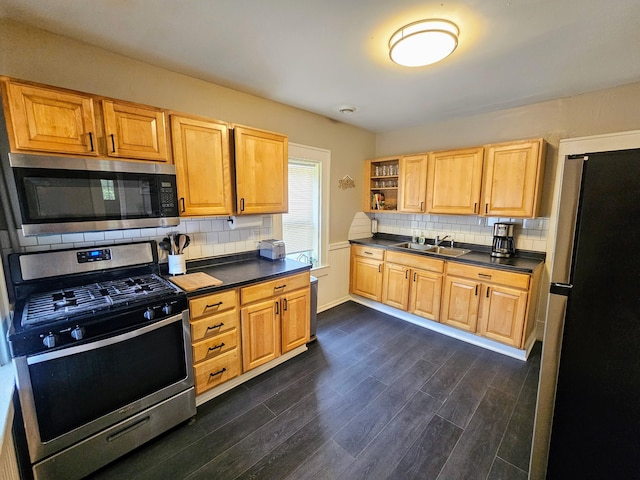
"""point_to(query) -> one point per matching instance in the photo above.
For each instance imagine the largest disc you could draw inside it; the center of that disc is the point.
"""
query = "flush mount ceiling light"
(423, 42)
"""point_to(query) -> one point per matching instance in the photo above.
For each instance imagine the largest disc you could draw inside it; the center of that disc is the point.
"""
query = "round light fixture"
(423, 42)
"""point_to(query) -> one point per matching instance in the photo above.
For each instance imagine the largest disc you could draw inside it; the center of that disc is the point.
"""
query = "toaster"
(272, 249)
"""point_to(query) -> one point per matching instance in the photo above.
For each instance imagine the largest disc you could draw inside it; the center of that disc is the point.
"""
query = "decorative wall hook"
(346, 182)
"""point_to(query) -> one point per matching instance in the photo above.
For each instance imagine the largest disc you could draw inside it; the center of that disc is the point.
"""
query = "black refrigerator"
(596, 422)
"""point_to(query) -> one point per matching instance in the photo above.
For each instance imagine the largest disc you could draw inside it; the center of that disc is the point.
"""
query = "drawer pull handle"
(281, 286)
(211, 349)
(220, 372)
(216, 326)
(367, 253)
(484, 275)
(214, 305)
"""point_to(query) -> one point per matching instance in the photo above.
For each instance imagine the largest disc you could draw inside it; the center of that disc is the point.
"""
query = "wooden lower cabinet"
(460, 303)
(275, 318)
(413, 283)
(492, 303)
(366, 272)
(215, 339)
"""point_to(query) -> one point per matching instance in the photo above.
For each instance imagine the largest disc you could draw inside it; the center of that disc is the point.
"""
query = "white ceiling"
(321, 54)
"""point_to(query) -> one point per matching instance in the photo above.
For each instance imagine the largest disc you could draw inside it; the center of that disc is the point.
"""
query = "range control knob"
(149, 314)
(49, 340)
(77, 333)
(167, 309)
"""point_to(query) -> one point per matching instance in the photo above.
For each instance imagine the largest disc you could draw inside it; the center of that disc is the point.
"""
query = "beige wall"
(39, 56)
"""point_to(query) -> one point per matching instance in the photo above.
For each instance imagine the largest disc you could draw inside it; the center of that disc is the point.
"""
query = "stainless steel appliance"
(503, 243)
(102, 352)
(272, 249)
(64, 194)
(596, 270)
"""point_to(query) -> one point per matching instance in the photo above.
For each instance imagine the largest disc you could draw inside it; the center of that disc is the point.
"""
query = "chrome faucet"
(437, 241)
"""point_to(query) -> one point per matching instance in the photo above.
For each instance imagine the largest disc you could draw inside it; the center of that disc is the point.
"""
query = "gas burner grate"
(66, 303)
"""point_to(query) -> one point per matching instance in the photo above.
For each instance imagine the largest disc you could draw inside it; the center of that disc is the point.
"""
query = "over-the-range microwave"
(63, 194)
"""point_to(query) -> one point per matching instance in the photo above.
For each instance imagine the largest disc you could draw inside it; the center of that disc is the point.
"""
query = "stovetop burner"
(64, 299)
(57, 305)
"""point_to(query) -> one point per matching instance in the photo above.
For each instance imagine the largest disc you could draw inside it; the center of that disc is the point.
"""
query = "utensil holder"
(177, 264)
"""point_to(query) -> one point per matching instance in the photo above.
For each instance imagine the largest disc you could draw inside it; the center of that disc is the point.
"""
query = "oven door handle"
(65, 352)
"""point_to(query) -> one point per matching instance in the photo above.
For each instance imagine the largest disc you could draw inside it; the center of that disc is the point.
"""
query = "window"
(301, 226)
(305, 226)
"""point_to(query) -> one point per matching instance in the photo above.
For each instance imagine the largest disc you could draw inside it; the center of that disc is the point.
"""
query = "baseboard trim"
(446, 330)
(234, 382)
(335, 303)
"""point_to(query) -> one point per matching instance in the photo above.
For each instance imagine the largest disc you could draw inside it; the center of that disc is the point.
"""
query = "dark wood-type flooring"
(373, 398)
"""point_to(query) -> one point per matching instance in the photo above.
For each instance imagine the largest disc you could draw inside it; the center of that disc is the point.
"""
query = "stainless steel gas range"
(102, 351)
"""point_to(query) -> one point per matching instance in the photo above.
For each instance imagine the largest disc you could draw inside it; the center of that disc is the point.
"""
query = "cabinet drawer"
(212, 304)
(278, 286)
(369, 252)
(212, 373)
(215, 346)
(516, 280)
(214, 325)
(415, 261)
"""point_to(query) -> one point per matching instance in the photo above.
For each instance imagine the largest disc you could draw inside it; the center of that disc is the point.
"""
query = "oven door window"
(48, 196)
(73, 390)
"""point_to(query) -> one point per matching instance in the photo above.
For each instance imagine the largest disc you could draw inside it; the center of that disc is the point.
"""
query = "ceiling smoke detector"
(346, 109)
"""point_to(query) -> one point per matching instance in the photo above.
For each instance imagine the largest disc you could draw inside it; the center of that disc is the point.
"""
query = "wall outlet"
(254, 234)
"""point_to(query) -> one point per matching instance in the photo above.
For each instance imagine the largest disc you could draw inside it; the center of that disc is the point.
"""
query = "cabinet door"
(426, 292)
(395, 285)
(366, 277)
(260, 333)
(454, 181)
(460, 303)
(294, 319)
(50, 120)
(261, 171)
(502, 314)
(512, 179)
(134, 131)
(412, 184)
(203, 166)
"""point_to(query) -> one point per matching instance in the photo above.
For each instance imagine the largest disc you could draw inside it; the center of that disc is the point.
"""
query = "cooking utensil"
(165, 245)
(182, 241)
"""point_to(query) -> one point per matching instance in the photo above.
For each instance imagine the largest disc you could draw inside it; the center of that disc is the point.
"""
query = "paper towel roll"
(248, 221)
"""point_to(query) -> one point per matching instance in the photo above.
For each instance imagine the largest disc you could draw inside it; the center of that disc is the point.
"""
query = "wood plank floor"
(374, 398)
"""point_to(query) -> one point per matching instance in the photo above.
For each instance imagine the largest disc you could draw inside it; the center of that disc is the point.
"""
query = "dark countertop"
(523, 261)
(242, 269)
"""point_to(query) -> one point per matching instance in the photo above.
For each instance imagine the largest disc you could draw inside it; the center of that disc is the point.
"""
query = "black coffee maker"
(503, 243)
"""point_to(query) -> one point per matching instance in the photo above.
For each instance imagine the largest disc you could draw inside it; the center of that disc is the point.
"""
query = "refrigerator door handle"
(558, 288)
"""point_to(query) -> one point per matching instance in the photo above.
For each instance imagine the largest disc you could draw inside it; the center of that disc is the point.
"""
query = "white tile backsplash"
(209, 237)
(466, 229)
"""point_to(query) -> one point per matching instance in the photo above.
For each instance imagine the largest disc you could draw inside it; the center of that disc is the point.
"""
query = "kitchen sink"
(446, 251)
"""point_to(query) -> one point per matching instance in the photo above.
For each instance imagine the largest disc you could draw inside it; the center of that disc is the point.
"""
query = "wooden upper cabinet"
(134, 131)
(412, 183)
(50, 120)
(261, 171)
(203, 166)
(513, 176)
(454, 180)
